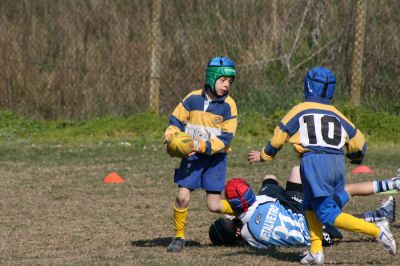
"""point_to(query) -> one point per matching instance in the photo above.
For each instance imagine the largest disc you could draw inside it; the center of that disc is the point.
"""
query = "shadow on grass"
(270, 252)
(361, 240)
(161, 242)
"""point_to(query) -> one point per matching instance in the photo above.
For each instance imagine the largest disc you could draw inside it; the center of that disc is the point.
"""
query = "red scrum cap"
(239, 194)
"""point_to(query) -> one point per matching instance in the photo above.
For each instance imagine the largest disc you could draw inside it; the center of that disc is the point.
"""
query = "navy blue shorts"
(202, 171)
(322, 175)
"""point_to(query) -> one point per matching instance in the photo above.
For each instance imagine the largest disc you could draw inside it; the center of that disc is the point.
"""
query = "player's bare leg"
(183, 198)
(294, 176)
(270, 177)
(218, 205)
(388, 207)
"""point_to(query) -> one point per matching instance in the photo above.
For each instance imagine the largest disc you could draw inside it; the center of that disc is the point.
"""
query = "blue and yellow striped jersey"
(213, 121)
(317, 126)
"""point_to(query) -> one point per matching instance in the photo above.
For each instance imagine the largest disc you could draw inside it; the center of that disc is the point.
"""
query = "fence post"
(358, 50)
(155, 57)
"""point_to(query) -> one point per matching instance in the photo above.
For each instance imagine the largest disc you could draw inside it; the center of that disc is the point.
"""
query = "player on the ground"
(278, 211)
(319, 132)
(209, 116)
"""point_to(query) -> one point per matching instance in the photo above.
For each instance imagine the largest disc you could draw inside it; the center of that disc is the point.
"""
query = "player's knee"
(182, 200)
(181, 203)
(269, 177)
(214, 201)
(214, 206)
(296, 169)
(295, 175)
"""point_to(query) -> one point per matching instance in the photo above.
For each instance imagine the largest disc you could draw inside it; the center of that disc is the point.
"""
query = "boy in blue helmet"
(209, 115)
(318, 132)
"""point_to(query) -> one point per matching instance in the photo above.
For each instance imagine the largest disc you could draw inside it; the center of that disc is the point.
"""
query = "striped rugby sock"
(384, 185)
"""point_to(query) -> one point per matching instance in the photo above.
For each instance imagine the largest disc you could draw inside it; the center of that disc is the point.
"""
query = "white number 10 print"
(321, 130)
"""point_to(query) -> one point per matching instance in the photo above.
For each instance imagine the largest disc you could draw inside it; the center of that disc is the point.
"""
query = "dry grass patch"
(56, 209)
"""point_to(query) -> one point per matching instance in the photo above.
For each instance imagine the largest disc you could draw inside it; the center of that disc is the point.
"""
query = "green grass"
(146, 127)
(56, 209)
(141, 126)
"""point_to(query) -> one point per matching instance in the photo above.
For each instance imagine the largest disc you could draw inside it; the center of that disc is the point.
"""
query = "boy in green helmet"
(209, 116)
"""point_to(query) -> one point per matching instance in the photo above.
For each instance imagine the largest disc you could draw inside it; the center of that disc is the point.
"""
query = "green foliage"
(266, 100)
(147, 127)
(253, 125)
(379, 126)
(14, 126)
(143, 126)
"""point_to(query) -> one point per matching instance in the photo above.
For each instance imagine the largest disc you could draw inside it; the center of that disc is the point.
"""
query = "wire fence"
(79, 59)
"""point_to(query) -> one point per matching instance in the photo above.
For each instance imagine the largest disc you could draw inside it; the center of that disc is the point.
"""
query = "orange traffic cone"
(113, 178)
(362, 169)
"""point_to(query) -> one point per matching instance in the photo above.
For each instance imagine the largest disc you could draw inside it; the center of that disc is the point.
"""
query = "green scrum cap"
(219, 67)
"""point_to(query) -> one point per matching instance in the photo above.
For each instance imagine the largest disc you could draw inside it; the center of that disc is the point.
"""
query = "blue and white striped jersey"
(267, 223)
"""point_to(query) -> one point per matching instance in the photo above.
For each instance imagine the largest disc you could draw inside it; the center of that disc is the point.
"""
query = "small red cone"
(113, 178)
(362, 169)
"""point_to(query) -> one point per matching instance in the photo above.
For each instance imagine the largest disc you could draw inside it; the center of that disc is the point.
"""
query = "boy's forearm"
(174, 125)
(265, 157)
(214, 145)
(356, 148)
(170, 130)
(274, 145)
(177, 121)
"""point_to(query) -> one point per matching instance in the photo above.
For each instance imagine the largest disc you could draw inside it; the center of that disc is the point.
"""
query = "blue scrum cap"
(319, 82)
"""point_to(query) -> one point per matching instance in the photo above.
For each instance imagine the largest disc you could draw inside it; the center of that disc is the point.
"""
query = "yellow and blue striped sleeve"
(355, 141)
(356, 147)
(274, 145)
(178, 119)
(281, 135)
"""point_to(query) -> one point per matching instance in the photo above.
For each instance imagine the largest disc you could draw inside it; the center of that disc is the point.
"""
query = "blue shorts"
(202, 171)
(322, 175)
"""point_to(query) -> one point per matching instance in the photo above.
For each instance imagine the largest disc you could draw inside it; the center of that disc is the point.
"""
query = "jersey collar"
(218, 99)
(316, 99)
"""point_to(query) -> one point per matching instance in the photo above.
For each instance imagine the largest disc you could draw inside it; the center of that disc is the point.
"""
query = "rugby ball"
(180, 145)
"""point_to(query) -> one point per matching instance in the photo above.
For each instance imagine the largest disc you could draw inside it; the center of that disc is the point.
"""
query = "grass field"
(55, 209)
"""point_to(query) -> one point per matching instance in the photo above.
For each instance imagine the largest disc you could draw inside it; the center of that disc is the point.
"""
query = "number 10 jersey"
(317, 126)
